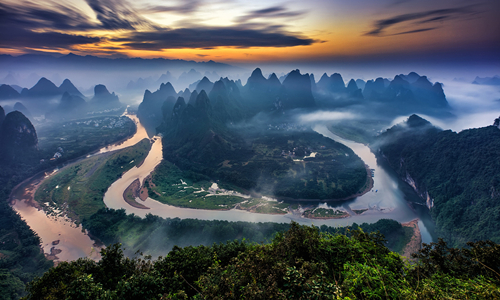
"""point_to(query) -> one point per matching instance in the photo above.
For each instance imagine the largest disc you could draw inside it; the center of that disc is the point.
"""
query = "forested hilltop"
(301, 263)
(456, 173)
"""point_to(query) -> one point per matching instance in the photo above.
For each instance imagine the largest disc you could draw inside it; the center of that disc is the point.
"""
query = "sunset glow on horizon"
(240, 32)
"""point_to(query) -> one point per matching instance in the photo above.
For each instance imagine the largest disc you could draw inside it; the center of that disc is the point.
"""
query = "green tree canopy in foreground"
(301, 263)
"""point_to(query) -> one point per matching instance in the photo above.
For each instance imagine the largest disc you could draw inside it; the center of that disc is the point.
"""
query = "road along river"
(385, 201)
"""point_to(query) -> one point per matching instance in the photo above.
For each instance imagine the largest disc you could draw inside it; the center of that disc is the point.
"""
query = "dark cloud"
(24, 38)
(420, 18)
(270, 12)
(31, 25)
(434, 19)
(415, 31)
(185, 7)
(35, 17)
(210, 37)
(114, 14)
(17, 25)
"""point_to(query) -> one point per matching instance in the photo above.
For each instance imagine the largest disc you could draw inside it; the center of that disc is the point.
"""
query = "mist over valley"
(234, 150)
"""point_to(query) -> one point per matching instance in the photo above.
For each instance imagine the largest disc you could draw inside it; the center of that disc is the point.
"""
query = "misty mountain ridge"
(68, 87)
(150, 110)
(203, 84)
(23, 109)
(89, 62)
(7, 92)
(70, 107)
(103, 99)
(43, 88)
(454, 174)
(495, 80)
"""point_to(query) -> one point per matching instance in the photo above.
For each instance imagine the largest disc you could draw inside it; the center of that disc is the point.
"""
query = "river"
(69, 238)
(385, 201)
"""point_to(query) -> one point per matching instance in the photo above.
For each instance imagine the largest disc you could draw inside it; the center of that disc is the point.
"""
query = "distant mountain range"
(72, 61)
(404, 94)
(495, 80)
(72, 103)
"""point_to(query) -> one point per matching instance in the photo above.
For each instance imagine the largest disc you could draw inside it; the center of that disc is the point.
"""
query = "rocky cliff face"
(18, 138)
(150, 109)
(423, 193)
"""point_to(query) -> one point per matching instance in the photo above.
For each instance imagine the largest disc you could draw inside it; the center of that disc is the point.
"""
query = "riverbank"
(132, 192)
(56, 221)
(415, 242)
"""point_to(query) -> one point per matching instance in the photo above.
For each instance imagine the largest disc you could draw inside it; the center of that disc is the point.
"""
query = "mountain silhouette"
(19, 139)
(103, 99)
(204, 84)
(70, 107)
(295, 92)
(68, 87)
(21, 108)
(7, 92)
(43, 88)
(150, 109)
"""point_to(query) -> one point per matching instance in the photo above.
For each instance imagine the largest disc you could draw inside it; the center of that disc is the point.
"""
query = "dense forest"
(156, 236)
(291, 165)
(456, 173)
(300, 263)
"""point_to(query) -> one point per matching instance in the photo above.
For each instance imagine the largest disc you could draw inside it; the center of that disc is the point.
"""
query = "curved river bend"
(69, 238)
(387, 203)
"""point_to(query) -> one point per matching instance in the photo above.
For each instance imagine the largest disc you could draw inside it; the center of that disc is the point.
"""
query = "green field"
(78, 190)
(173, 186)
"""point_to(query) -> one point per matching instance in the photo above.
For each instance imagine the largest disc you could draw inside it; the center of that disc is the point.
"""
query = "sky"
(245, 32)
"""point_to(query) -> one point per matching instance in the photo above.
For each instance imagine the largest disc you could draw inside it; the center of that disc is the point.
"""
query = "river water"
(385, 201)
(70, 239)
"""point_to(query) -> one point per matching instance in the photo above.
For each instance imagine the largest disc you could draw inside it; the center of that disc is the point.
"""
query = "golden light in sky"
(238, 31)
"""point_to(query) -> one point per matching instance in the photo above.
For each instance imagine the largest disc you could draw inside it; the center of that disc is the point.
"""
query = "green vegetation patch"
(78, 190)
(175, 187)
(459, 171)
(80, 137)
(300, 263)
(325, 213)
(288, 165)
